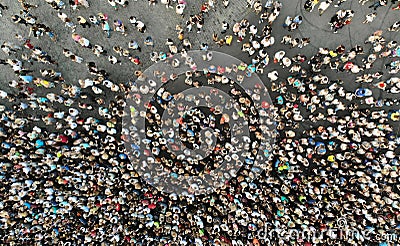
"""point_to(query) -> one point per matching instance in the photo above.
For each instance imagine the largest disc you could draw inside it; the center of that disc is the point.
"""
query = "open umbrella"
(363, 92)
(26, 78)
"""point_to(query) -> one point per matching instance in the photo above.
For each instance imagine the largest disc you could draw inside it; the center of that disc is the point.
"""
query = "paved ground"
(161, 24)
(160, 21)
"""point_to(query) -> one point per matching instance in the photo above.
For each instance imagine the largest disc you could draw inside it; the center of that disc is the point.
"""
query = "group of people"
(36, 29)
(341, 19)
(67, 177)
(214, 144)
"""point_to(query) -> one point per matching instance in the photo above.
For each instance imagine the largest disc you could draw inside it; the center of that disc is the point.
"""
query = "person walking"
(298, 19)
(134, 45)
(378, 4)
(106, 28)
(2, 7)
(149, 41)
(119, 27)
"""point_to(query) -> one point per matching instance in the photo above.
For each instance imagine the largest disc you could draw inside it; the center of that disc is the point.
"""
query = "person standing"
(106, 28)
(167, 3)
(94, 20)
(179, 9)
(225, 27)
(119, 27)
(141, 27)
(113, 60)
(135, 60)
(84, 3)
(287, 22)
(149, 41)
(83, 22)
(134, 45)
(310, 5)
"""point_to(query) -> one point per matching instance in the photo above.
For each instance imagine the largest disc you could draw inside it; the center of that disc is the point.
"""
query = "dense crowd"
(66, 176)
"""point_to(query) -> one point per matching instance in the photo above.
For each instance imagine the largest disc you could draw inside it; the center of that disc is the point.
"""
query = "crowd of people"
(66, 176)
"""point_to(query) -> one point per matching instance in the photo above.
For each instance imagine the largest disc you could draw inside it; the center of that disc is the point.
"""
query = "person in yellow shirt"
(83, 22)
(333, 54)
(180, 36)
(228, 39)
(309, 5)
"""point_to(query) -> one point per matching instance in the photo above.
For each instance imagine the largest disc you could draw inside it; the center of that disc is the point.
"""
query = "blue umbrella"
(39, 143)
(123, 156)
(190, 133)
(85, 145)
(26, 78)
(249, 161)
(363, 92)
(212, 69)
(266, 153)
(43, 99)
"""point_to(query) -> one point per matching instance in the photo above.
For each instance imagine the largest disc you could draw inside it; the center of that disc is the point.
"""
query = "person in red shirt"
(28, 44)
(204, 8)
(135, 60)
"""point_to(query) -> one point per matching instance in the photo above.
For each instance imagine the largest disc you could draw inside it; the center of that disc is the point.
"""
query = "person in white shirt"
(324, 6)
(179, 9)
(369, 17)
(273, 75)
